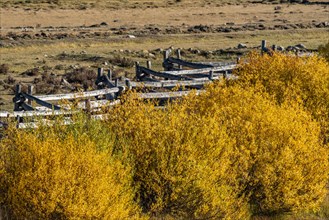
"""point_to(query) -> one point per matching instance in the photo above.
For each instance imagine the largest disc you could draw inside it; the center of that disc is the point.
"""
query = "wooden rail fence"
(151, 84)
(183, 75)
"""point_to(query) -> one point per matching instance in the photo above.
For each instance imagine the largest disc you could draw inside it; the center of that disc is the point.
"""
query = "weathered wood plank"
(27, 107)
(77, 95)
(41, 113)
(171, 83)
(217, 64)
(201, 71)
(166, 95)
(82, 105)
(98, 104)
(108, 81)
(5, 114)
(188, 64)
(46, 122)
(41, 102)
(163, 74)
(148, 79)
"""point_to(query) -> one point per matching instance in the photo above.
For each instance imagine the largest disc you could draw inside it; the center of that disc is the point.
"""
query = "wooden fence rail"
(188, 64)
(171, 84)
(166, 95)
(109, 90)
(78, 95)
(195, 76)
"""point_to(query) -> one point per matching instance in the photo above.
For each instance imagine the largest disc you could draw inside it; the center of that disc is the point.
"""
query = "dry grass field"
(240, 14)
(55, 36)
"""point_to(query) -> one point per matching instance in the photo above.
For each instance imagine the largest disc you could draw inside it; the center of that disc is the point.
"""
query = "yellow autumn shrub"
(280, 162)
(181, 162)
(245, 147)
(225, 154)
(324, 51)
(288, 77)
(58, 173)
(2, 173)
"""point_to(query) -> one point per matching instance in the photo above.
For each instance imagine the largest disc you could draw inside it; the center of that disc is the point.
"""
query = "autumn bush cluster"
(254, 146)
(64, 172)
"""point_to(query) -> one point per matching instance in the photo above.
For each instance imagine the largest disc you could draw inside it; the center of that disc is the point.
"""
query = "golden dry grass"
(115, 4)
(111, 4)
(189, 15)
(28, 54)
(22, 57)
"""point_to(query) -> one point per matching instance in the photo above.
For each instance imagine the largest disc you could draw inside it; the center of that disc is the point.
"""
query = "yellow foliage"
(181, 161)
(2, 173)
(287, 77)
(213, 155)
(54, 175)
(281, 163)
(324, 51)
(241, 148)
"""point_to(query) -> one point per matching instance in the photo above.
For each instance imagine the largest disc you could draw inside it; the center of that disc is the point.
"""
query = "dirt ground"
(40, 40)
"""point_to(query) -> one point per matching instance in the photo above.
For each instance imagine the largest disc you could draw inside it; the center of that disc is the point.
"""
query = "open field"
(56, 36)
(268, 15)
(117, 4)
(59, 57)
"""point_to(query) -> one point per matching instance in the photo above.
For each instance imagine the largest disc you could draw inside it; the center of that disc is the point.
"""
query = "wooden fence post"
(109, 74)
(30, 92)
(263, 46)
(116, 84)
(99, 73)
(225, 75)
(18, 91)
(211, 75)
(128, 84)
(18, 120)
(179, 57)
(238, 59)
(137, 70)
(87, 106)
(165, 57)
(274, 47)
(149, 64)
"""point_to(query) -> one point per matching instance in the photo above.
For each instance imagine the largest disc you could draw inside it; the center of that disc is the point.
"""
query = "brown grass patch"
(4, 69)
